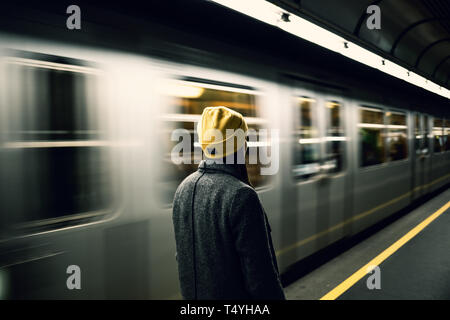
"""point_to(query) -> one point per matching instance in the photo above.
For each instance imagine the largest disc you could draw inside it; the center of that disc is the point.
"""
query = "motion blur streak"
(86, 176)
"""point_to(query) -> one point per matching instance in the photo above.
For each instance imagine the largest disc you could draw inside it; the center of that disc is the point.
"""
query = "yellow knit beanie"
(216, 141)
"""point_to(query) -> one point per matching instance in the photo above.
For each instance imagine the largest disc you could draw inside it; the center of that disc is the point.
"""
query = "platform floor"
(418, 269)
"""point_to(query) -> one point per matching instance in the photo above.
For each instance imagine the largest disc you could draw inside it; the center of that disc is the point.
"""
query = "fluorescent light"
(362, 55)
(396, 126)
(313, 33)
(309, 141)
(180, 90)
(304, 99)
(332, 105)
(260, 10)
(250, 144)
(371, 125)
(258, 144)
(320, 140)
(335, 138)
(65, 144)
(271, 14)
(394, 70)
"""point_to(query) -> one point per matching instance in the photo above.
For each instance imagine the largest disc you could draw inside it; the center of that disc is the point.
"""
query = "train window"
(371, 136)
(187, 101)
(193, 97)
(306, 156)
(438, 135)
(335, 136)
(447, 135)
(418, 136)
(56, 157)
(397, 136)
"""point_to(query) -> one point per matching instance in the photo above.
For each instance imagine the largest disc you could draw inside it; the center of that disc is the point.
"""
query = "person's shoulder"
(246, 205)
(244, 192)
(187, 183)
(243, 187)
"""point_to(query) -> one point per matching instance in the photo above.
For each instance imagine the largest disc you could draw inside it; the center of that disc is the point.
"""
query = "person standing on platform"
(223, 237)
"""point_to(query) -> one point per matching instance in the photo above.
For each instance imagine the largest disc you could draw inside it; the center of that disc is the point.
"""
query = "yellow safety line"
(354, 218)
(350, 281)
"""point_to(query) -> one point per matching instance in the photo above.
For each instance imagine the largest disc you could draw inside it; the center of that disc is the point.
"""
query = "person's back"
(224, 248)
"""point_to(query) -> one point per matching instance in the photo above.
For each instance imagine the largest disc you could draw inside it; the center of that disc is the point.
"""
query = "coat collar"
(232, 169)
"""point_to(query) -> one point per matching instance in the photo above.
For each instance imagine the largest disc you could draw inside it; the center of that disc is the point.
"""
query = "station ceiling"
(414, 33)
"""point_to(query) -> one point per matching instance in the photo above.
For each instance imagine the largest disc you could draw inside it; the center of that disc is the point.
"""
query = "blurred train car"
(86, 176)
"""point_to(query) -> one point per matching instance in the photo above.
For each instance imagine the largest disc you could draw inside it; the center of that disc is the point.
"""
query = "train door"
(419, 155)
(422, 155)
(56, 176)
(318, 168)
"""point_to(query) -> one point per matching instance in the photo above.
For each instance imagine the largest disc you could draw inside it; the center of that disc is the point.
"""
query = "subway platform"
(412, 255)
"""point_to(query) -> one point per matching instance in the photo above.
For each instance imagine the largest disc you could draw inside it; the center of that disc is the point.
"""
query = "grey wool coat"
(223, 241)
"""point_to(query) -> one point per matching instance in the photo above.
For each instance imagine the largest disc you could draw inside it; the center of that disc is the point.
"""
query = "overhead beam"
(427, 48)
(412, 26)
(439, 65)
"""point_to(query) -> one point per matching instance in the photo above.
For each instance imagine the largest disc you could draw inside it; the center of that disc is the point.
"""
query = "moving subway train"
(87, 179)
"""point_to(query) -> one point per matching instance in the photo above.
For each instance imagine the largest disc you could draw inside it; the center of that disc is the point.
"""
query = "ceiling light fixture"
(269, 13)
